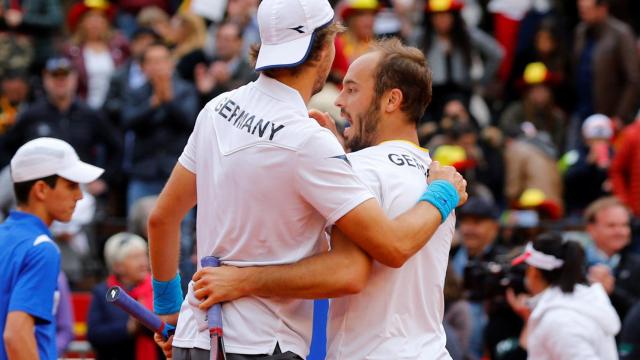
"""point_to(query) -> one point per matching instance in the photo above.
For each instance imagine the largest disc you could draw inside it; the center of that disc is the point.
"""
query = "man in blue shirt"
(46, 174)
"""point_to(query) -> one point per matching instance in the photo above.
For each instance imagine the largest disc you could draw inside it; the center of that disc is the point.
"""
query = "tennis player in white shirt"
(388, 313)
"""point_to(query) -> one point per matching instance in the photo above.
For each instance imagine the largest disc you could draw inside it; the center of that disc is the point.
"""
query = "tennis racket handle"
(117, 296)
(214, 314)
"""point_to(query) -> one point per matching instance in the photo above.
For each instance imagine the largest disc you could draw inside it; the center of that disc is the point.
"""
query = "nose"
(79, 194)
(339, 100)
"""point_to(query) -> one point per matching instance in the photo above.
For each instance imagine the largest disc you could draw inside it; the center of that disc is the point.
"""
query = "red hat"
(350, 7)
(79, 9)
(443, 5)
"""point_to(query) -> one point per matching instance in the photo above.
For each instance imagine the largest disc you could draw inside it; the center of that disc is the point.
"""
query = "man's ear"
(392, 100)
(39, 190)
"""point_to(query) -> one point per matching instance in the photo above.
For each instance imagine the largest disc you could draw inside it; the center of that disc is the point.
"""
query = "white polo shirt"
(399, 313)
(269, 178)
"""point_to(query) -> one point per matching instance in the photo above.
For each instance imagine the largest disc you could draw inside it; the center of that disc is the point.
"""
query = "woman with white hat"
(565, 318)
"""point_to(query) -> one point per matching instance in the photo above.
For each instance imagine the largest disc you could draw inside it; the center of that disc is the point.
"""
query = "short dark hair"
(319, 41)
(154, 44)
(404, 68)
(22, 189)
(572, 271)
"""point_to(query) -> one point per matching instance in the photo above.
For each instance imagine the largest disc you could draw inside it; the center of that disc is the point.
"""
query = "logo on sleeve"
(342, 157)
(44, 239)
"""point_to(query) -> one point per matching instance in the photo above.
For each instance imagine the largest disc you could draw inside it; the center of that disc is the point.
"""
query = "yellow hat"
(449, 154)
(352, 6)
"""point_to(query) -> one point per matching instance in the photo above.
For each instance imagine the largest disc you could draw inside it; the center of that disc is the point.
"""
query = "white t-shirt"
(269, 178)
(399, 313)
(100, 67)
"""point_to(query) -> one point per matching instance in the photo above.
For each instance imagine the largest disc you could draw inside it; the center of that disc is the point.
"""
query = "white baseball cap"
(45, 156)
(597, 126)
(287, 29)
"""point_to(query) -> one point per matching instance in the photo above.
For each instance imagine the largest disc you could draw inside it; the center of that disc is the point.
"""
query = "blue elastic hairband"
(167, 296)
(443, 195)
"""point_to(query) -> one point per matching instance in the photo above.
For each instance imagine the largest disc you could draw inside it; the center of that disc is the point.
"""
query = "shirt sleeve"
(325, 177)
(369, 175)
(188, 158)
(37, 281)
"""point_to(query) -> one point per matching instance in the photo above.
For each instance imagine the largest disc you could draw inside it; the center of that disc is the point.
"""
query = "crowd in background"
(536, 102)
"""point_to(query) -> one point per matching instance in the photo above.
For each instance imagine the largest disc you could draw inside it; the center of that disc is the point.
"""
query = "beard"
(320, 80)
(364, 136)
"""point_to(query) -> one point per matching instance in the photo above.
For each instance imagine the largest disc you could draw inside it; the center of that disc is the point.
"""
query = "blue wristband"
(443, 195)
(167, 296)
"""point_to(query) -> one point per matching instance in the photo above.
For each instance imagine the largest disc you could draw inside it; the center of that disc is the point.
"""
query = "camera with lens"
(488, 280)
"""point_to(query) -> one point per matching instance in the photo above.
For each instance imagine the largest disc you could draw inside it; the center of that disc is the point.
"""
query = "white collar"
(281, 91)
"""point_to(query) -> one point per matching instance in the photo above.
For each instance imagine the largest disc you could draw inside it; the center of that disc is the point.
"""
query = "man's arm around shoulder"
(342, 271)
(393, 242)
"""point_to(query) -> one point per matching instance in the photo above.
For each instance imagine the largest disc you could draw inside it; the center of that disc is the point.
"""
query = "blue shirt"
(29, 267)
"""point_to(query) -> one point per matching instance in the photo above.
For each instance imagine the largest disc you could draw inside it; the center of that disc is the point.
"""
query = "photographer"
(479, 229)
(565, 318)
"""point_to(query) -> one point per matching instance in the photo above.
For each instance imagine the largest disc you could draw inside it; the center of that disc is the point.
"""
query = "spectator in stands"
(243, 13)
(450, 46)
(610, 261)
(530, 163)
(463, 147)
(129, 9)
(629, 344)
(548, 48)
(569, 320)
(62, 115)
(606, 63)
(359, 17)
(113, 333)
(161, 115)
(228, 70)
(157, 19)
(588, 167)
(508, 16)
(129, 76)
(188, 35)
(46, 174)
(625, 167)
(538, 105)
(95, 49)
(479, 230)
(13, 99)
(27, 28)
(14, 88)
